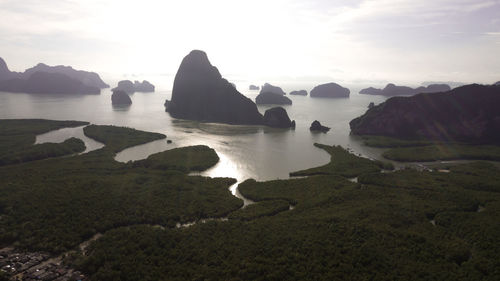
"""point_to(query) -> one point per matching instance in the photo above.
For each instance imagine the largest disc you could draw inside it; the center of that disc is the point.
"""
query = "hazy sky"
(319, 40)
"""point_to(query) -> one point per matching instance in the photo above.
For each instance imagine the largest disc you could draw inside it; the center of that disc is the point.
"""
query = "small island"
(120, 98)
(299, 93)
(253, 88)
(277, 117)
(272, 98)
(129, 87)
(329, 90)
(317, 127)
(272, 89)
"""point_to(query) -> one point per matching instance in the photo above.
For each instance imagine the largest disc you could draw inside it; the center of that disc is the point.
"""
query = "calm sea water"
(245, 151)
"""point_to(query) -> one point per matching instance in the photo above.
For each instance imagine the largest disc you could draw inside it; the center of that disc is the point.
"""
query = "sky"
(349, 41)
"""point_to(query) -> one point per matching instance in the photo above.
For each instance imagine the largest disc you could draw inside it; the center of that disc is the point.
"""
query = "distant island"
(394, 90)
(272, 89)
(329, 90)
(129, 87)
(44, 79)
(299, 93)
(253, 88)
(466, 114)
(200, 93)
(272, 98)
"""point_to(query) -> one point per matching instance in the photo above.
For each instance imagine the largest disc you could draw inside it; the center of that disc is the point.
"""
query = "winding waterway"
(246, 151)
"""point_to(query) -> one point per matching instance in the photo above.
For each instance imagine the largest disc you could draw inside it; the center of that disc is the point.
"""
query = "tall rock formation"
(120, 97)
(277, 117)
(272, 89)
(200, 93)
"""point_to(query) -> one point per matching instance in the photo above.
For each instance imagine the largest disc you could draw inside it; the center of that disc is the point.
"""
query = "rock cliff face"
(272, 89)
(47, 83)
(5, 73)
(299, 93)
(120, 98)
(200, 93)
(277, 117)
(271, 98)
(392, 90)
(469, 113)
(329, 90)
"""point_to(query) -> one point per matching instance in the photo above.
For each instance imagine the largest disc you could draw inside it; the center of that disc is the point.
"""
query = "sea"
(245, 152)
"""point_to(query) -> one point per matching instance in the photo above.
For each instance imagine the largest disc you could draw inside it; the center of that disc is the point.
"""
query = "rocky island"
(129, 87)
(277, 117)
(88, 78)
(299, 93)
(329, 90)
(394, 90)
(317, 127)
(200, 93)
(465, 114)
(272, 89)
(120, 97)
(272, 98)
(47, 83)
(44, 79)
(254, 88)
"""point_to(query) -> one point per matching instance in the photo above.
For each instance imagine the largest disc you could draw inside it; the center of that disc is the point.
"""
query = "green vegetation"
(119, 138)
(43, 151)
(260, 209)
(344, 163)
(376, 229)
(17, 139)
(383, 141)
(184, 159)
(57, 204)
(443, 152)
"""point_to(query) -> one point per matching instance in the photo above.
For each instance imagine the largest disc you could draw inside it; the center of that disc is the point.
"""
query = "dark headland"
(469, 114)
(394, 90)
(44, 79)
